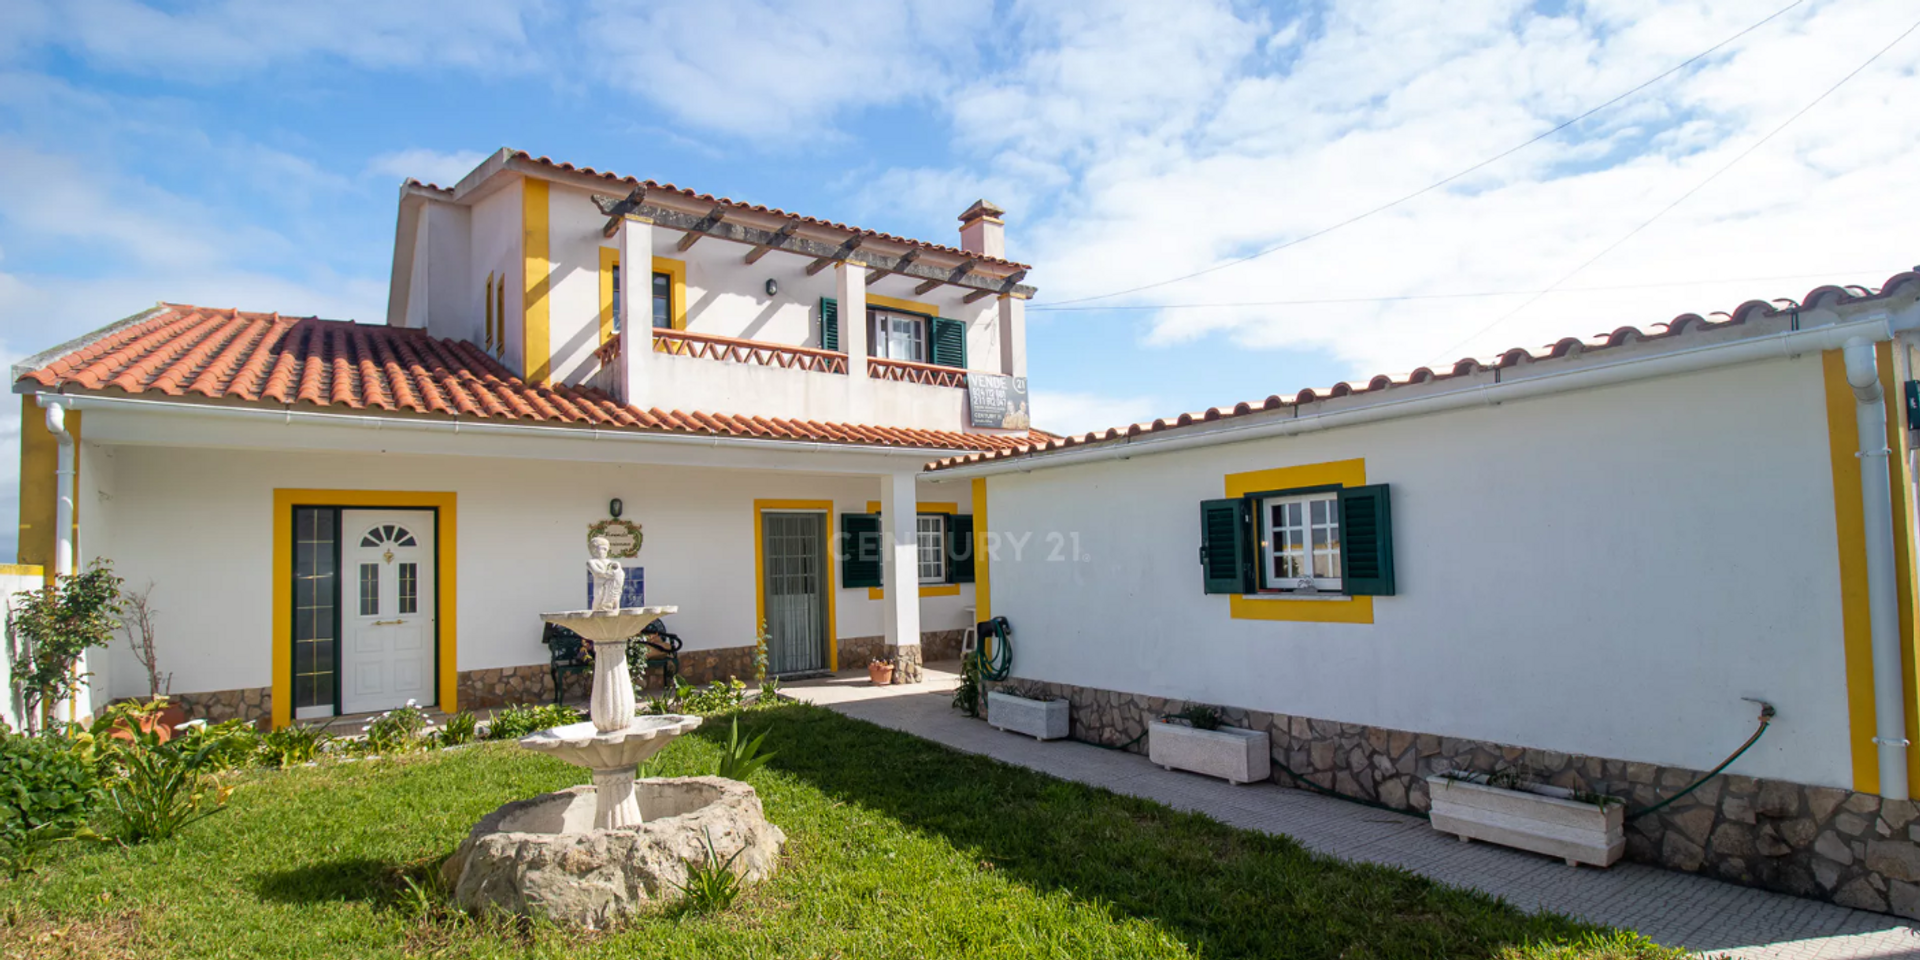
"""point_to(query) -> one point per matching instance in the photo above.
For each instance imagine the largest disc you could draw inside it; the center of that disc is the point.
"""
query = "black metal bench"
(654, 646)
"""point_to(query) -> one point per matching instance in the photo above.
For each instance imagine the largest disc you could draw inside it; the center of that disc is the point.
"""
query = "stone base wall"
(246, 703)
(906, 662)
(505, 686)
(854, 653)
(1829, 843)
(937, 645)
(706, 666)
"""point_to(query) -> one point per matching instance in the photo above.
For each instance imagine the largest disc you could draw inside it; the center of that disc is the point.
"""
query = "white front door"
(387, 615)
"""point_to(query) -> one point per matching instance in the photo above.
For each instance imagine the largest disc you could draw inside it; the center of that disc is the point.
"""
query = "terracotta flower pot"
(880, 673)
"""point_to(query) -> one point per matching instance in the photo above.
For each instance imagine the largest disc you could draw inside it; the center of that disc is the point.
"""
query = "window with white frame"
(898, 336)
(931, 538)
(1300, 542)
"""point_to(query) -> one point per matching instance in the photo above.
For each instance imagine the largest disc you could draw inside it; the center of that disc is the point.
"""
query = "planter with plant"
(880, 672)
(1019, 710)
(1197, 740)
(1513, 811)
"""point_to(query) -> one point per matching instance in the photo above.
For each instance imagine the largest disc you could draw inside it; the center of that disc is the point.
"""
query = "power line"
(1322, 301)
(1502, 155)
(1696, 188)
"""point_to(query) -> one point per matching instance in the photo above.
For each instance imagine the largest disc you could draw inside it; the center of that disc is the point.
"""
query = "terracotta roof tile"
(273, 360)
(1689, 324)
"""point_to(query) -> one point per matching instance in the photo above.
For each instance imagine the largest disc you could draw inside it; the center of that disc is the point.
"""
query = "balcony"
(681, 343)
(906, 371)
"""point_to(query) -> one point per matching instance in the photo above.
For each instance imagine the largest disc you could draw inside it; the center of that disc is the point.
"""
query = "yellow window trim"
(609, 262)
(446, 575)
(676, 271)
(1346, 473)
(536, 354)
(895, 303)
(760, 569)
(1850, 537)
(22, 570)
(982, 594)
(936, 590)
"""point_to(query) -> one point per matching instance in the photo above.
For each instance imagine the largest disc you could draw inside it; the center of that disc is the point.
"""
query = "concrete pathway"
(1677, 909)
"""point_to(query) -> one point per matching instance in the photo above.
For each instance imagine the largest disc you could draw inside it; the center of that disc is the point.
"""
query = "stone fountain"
(546, 856)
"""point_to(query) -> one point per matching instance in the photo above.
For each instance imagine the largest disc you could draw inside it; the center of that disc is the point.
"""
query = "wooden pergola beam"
(976, 295)
(773, 243)
(845, 252)
(906, 260)
(702, 227)
(953, 276)
(618, 212)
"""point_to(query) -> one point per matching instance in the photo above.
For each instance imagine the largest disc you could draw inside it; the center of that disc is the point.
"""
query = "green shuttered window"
(949, 343)
(960, 548)
(829, 323)
(860, 560)
(1309, 540)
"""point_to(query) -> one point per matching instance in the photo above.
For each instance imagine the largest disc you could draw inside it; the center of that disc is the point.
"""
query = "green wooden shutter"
(829, 323)
(949, 343)
(1226, 550)
(860, 562)
(1366, 541)
(960, 548)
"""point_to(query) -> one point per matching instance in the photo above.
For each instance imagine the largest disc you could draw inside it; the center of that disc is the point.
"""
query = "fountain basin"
(608, 626)
(541, 857)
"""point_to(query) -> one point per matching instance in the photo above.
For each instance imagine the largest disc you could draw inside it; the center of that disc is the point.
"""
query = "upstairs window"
(898, 336)
(662, 300)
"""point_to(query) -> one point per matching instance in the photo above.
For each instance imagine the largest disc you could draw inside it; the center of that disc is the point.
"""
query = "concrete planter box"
(1230, 753)
(1542, 819)
(1039, 719)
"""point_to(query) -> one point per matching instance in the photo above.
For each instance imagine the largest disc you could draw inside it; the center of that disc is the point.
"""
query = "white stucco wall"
(198, 524)
(1605, 572)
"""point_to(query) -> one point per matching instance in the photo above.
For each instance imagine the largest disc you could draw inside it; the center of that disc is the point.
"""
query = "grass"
(897, 848)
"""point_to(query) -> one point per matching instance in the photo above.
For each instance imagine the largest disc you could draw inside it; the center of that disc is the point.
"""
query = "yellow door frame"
(824, 507)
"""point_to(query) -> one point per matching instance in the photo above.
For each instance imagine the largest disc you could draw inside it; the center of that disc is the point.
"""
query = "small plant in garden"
(47, 791)
(53, 626)
(518, 721)
(716, 697)
(1199, 716)
(460, 728)
(739, 760)
(138, 623)
(711, 886)
(160, 789)
(401, 730)
(760, 656)
(227, 744)
(966, 696)
(292, 746)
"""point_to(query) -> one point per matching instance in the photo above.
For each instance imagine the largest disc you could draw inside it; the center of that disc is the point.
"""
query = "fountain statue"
(544, 856)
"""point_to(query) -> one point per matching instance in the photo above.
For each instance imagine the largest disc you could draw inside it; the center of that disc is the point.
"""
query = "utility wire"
(1446, 296)
(1696, 188)
(1502, 155)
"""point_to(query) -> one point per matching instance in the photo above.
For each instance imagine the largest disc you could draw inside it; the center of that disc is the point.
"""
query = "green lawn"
(897, 848)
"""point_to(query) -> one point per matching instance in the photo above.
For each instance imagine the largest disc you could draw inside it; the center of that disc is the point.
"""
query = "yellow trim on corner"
(39, 459)
(676, 271)
(936, 590)
(1346, 473)
(22, 570)
(760, 568)
(447, 579)
(609, 262)
(982, 607)
(536, 353)
(895, 303)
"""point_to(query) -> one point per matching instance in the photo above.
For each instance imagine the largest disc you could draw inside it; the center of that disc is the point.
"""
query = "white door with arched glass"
(387, 609)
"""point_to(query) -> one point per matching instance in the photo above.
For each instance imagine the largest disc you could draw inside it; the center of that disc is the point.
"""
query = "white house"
(339, 517)
(1591, 563)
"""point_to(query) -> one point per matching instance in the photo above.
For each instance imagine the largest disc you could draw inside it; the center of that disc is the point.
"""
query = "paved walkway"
(1677, 909)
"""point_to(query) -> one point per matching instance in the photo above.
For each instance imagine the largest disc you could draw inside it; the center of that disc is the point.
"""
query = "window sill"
(1307, 597)
(1315, 609)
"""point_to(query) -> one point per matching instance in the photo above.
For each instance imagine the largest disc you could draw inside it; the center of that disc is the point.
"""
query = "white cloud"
(763, 69)
(1067, 412)
(431, 166)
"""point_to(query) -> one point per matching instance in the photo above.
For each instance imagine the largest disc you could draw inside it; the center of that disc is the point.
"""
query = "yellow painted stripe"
(39, 459)
(895, 303)
(1850, 538)
(982, 567)
(609, 262)
(676, 271)
(22, 570)
(447, 625)
(536, 354)
(1346, 473)
(760, 569)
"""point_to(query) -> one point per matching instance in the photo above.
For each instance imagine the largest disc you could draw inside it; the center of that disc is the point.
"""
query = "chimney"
(982, 231)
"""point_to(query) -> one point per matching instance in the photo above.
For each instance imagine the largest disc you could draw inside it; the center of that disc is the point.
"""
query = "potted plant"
(1507, 809)
(1195, 739)
(880, 672)
(1030, 712)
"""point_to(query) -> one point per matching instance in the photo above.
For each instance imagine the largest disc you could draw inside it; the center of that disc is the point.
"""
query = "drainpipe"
(1889, 695)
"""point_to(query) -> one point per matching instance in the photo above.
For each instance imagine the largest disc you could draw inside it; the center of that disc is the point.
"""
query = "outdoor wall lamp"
(773, 286)
(614, 507)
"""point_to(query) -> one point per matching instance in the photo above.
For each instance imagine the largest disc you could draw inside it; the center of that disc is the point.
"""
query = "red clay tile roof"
(271, 360)
(1682, 325)
(707, 198)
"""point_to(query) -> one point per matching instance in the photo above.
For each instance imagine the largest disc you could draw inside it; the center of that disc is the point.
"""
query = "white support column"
(850, 289)
(1013, 336)
(900, 574)
(636, 322)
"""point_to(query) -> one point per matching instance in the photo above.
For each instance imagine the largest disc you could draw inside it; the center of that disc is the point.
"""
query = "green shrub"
(716, 697)
(738, 760)
(226, 745)
(460, 728)
(162, 788)
(401, 730)
(47, 790)
(711, 886)
(518, 721)
(293, 746)
(1200, 717)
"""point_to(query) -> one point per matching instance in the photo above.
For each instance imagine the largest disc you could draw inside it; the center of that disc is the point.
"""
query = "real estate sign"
(994, 400)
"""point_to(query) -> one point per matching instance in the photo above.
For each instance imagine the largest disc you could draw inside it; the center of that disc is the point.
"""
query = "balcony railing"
(681, 343)
(906, 371)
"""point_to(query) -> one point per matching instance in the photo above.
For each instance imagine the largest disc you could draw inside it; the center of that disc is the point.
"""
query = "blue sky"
(247, 154)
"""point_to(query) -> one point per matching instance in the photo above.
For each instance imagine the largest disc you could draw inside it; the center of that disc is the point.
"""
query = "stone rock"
(1858, 895)
(1679, 853)
(1822, 801)
(1743, 786)
(1862, 803)
(1850, 825)
(1738, 810)
(1826, 874)
(1769, 844)
(1640, 772)
(1904, 899)
(1427, 744)
(1394, 794)
(1321, 754)
(1778, 799)
(1398, 741)
(541, 857)
(1673, 778)
(1733, 840)
(1894, 859)
(1798, 833)
(1696, 824)
(1897, 813)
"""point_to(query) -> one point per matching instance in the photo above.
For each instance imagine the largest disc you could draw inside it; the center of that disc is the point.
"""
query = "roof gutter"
(290, 416)
(1875, 324)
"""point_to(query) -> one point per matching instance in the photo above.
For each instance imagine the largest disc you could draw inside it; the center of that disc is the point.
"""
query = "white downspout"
(1883, 604)
(63, 474)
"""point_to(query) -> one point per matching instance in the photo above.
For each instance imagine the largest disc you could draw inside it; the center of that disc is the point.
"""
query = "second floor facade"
(737, 309)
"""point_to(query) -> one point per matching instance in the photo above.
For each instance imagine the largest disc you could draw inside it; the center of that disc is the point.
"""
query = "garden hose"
(994, 666)
(1766, 719)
